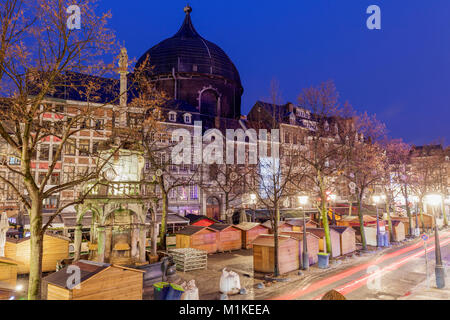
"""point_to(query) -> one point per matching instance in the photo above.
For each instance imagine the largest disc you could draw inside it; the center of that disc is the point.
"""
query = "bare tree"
(323, 156)
(365, 159)
(41, 57)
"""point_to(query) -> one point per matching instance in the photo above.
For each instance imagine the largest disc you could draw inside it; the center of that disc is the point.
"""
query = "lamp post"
(439, 269)
(376, 200)
(303, 200)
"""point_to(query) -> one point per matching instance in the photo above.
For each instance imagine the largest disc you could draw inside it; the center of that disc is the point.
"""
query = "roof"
(195, 217)
(187, 49)
(245, 226)
(395, 223)
(8, 260)
(298, 234)
(87, 270)
(13, 240)
(173, 218)
(341, 229)
(299, 222)
(320, 232)
(268, 224)
(191, 230)
(267, 240)
(220, 226)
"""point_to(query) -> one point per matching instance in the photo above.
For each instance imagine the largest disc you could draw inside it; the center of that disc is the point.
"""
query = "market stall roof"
(245, 226)
(172, 218)
(87, 270)
(220, 226)
(195, 217)
(341, 229)
(190, 230)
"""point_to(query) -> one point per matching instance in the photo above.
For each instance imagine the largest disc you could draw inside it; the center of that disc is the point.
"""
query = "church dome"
(188, 52)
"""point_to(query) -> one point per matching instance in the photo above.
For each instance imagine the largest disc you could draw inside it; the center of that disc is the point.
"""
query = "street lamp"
(376, 200)
(303, 200)
(439, 268)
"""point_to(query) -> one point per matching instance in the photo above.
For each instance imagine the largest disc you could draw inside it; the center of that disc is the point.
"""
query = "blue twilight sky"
(401, 72)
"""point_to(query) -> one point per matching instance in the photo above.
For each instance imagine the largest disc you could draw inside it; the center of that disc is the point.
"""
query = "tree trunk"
(37, 243)
(165, 208)
(408, 210)
(154, 231)
(326, 226)
(276, 244)
(361, 223)
(388, 212)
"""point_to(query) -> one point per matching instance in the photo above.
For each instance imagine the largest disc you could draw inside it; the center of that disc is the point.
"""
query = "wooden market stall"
(312, 242)
(8, 272)
(197, 237)
(334, 237)
(228, 237)
(405, 221)
(347, 239)
(264, 254)
(250, 231)
(282, 226)
(371, 235)
(99, 281)
(398, 229)
(353, 221)
(297, 224)
(55, 249)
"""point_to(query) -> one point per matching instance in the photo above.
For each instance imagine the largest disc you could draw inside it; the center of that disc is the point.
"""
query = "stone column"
(134, 241)
(101, 244)
(77, 242)
(108, 241)
(142, 243)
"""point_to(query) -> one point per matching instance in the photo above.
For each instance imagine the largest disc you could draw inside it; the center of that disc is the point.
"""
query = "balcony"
(117, 190)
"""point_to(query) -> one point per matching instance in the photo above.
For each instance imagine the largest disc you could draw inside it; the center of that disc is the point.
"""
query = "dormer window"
(172, 116)
(187, 118)
(292, 119)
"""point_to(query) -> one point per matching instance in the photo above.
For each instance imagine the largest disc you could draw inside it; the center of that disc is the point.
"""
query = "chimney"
(123, 71)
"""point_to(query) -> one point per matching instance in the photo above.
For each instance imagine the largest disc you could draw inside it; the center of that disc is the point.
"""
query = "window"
(54, 179)
(59, 108)
(69, 173)
(71, 147)
(187, 118)
(44, 152)
(72, 122)
(54, 150)
(95, 147)
(286, 138)
(41, 177)
(182, 193)
(84, 148)
(172, 116)
(14, 161)
(99, 124)
(193, 192)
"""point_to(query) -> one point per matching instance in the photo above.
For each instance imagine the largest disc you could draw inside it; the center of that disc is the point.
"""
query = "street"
(389, 276)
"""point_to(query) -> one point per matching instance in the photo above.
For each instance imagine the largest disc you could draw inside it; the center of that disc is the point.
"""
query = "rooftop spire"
(187, 30)
(187, 9)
